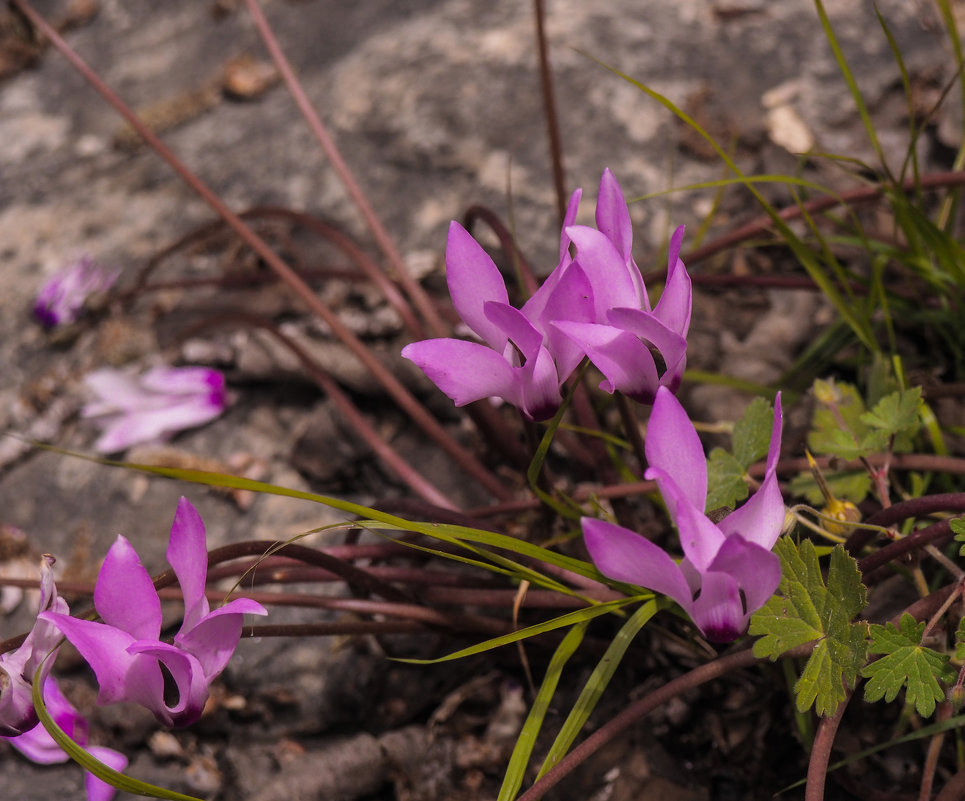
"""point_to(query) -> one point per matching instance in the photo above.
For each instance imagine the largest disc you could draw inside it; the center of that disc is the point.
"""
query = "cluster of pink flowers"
(124, 648)
(595, 305)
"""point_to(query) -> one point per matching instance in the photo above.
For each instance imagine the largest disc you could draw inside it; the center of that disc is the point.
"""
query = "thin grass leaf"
(742, 181)
(596, 685)
(844, 307)
(852, 85)
(911, 154)
(516, 770)
(567, 508)
(946, 216)
(441, 531)
(569, 619)
(81, 756)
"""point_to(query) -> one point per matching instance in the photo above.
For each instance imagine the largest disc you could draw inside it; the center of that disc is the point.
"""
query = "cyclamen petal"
(728, 571)
(39, 746)
(125, 652)
(18, 667)
(594, 304)
(62, 298)
(135, 409)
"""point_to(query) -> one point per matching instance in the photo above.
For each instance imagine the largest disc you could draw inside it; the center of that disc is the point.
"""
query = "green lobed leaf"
(725, 481)
(807, 610)
(752, 433)
(906, 664)
(957, 526)
(837, 431)
(897, 413)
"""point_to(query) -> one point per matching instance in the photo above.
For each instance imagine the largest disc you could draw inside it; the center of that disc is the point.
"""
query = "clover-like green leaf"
(897, 413)
(906, 663)
(807, 610)
(725, 480)
(752, 433)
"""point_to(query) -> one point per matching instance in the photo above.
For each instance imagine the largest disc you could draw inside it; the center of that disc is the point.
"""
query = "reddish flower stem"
(549, 107)
(385, 452)
(382, 238)
(393, 386)
(821, 752)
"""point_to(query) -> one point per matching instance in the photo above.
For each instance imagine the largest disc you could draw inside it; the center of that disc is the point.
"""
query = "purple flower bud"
(62, 298)
(153, 406)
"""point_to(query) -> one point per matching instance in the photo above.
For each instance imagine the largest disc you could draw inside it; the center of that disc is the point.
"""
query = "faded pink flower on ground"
(62, 298)
(133, 409)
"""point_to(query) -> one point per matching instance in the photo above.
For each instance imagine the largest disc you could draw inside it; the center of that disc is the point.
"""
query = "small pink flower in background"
(135, 409)
(126, 652)
(728, 571)
(38, 746)
(61, 300)
(17, 667)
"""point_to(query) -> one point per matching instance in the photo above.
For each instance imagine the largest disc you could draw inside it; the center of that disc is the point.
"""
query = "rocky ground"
(436, 105)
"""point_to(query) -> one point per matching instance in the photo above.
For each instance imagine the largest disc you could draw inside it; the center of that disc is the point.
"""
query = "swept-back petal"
(121, 676)
(672, 346)
(188, 554)
(624, 360)
(214, 639)
(624, 555)
(473, 280)
(98, 790)
(699, 537)
(124, 595)
(605, 267)
(761, 519)
(115, 390)
(184, 381)
(613, 216)
(188, 677)
(37, 744)
(674, 307)
(514, 325)
(572, 208)
(718, 611)
(571, 299)
(672, 445)
(465, 371)
(540, 385)
(757, 570)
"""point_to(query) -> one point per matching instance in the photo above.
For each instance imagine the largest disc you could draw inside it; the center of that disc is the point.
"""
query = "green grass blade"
(569, 619)
(80, 755)
(596, 684)
(742, 181)
(844, 307)
(516, 770)
(852, 85)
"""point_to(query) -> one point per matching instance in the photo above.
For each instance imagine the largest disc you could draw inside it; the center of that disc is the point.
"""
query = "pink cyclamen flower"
(38, 746)
(519, 362)
(17, 667)
(728, 570)
(625, 331)
(62, 298)
(125, 651)
(134, 409)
